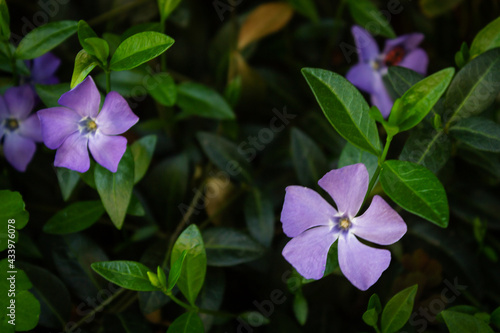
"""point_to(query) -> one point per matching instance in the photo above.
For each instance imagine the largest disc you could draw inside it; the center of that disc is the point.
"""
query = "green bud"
(162, 277)
(154, 280)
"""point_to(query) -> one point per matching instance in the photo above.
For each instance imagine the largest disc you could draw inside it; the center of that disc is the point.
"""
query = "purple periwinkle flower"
(43, 69)
(367, 74)
(78, 124)
(18, 128)
(314, 225)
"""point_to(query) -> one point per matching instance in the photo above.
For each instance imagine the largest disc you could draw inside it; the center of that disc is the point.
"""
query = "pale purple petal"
(84, 98)
(18, 150)
(57, 124)
(416, 60)
(44, 68)
(73, 153)
(380, 223)
(116, 117)
(308, 252)
(381, 98)
(20, 101)
(362, 76)
(409, 42)
(30, 128)
(366, 45)
(361, 265)
(347, 186)
(304, 209)
(107, 150)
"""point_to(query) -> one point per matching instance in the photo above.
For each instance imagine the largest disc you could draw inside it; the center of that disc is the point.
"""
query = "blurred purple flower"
(315, 225)
(43, 69)
(18, 129)
(79, 124)
(367, 74)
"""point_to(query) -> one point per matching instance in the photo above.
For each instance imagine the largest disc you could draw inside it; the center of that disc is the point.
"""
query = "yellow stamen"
(344, 223)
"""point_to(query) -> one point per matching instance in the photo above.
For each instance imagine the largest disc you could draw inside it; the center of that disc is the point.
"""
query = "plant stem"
(108, 81)
(15, 76)
(381, 160)
(197, 309)
(376, 329)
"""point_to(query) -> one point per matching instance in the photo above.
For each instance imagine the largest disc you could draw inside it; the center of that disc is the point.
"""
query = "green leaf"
(458, 322)
(306, 8)
(163, 90)
(474, 88)
(99, 48)
(76, 217)
(84, 64)
(308, 159)
(188, 322)
(374, 303)
(199, 100)
(398, 310)
(138, 49)
(166, 8)
(135, 207)
(142, 150)
(300, 308)
(402, 79)
(11, 210)
(43, 39)
(345, 108)
(68, 179)
(4, 20)
(175, 271)
(84, 32)
(259, 216)
(370, 317)
(433, 8)
(366, 14)
(416, 189)
(28, 311)
(495, 317)
(479, 133)
(254, 318)
(127, 83)
(225, 155)
(229, 247)
(486, 39)
(50, 93)
(126, 274)
(351, 155)
(115, 189)
(419, 100)
(195, 265)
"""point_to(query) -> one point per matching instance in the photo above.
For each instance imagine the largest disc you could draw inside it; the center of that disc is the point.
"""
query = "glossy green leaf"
(419, 100)
(199, 100)
(225, 155)
(68, 179)
(139, 49)
(306, 8)
(98, 47)
(115, 189)
(175, 271)
(84, 32)
(259, 216)
(27, 311)
(188, 322)
(76, 217)
(416, 189)
(167, 7)
(84, 64)
(195, 264)
(127, 274)
(461, 323)
(229, 247)
(143, 150)
(474, 87)
(486, 39)
(366, 14)
(402, 79)
(479, 133)
(398, 310)
(50, 93)
(433, 8)
(300, 308)
(308, 159)
(4, 20)
(43, 39)
(163, 89)
(351, 155)
(11, 209)
(345, 108)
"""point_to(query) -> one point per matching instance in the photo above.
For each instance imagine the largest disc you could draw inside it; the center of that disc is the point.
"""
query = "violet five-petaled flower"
(314, 225)
(78, 124)
(367, 75)
(18, 128)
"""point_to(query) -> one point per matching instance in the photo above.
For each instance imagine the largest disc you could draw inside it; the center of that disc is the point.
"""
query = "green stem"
(376, 329)
(15, 76)
(381, 160)
(108, 81)
(197, 309)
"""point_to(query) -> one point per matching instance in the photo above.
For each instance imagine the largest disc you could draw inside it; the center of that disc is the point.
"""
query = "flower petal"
(362, 76)
(380, 223)
(84, 98)
(30, 128)
(361, 265)
(107, 150)
(44, 68)
(381, 98)
(18, 150)
(73, 153)
(409, 42)
(304, 209)
(347, 186)
(416, 60)
(20, 101)
(57, 124)
(116, 117)
(366, 45)
(308, 252)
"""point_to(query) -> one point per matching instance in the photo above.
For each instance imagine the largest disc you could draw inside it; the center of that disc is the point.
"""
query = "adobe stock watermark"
(223, 6)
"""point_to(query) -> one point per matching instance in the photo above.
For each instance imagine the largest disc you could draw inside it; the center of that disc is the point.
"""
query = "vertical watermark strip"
(11, 270)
